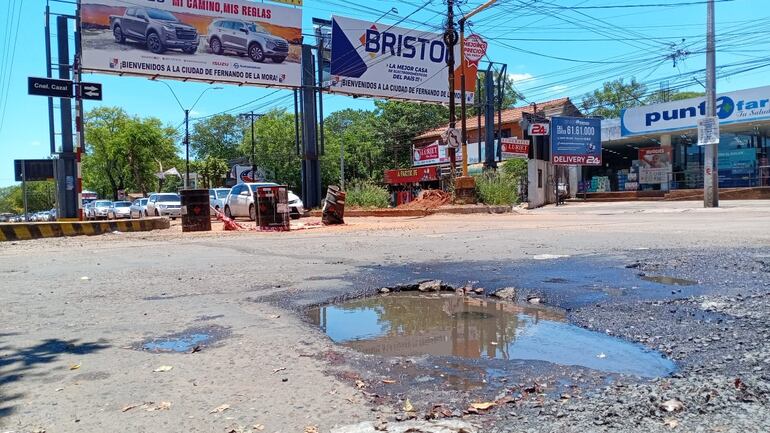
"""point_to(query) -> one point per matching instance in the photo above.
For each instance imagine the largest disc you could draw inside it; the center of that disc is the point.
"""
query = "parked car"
(217, 197)
(119, 209)
(54, 214)
(101, 209)
(137, 208)
(164, 204)
(5, 217)
(88, 210)
(158, 29)
(240, 201)
(243, 37)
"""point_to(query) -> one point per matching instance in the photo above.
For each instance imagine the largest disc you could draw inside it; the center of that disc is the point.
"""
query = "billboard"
(382, 61)
(576, 141)
(514, 148)
(741, 106)
(654, 165)
(434, 153)
(233, 41)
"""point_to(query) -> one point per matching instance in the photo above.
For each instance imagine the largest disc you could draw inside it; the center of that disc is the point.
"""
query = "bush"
(497, 189)
(367, 194)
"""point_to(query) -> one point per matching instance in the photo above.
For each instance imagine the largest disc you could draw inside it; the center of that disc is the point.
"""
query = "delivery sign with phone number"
(576, 141)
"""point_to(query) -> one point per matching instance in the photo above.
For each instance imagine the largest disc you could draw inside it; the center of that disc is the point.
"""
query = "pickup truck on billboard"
(158, 29)
(243, 37)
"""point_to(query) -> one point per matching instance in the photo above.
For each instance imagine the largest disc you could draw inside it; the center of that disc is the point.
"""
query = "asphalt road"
(78, 311)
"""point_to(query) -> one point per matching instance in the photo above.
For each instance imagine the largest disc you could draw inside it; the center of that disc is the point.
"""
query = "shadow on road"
(18, 363)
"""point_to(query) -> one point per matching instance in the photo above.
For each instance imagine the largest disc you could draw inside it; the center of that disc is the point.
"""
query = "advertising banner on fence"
(233, 41)
(378, 60)
(514, 148)
(654, 165)
(576, 141)
(434, 153)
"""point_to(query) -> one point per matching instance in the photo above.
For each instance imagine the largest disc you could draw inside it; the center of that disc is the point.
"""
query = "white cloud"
(558, 88)
(526, 76)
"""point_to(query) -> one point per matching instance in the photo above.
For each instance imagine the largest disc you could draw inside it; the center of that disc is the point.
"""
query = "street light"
(187, 128)
(345, 123)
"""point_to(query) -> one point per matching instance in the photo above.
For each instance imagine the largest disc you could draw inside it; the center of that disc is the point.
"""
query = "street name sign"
(49, 87)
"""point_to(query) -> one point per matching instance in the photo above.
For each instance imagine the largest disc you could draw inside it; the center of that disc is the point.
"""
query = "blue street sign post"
(576, 141)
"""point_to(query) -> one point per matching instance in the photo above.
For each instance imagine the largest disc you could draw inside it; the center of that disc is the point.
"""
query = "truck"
(159, 30)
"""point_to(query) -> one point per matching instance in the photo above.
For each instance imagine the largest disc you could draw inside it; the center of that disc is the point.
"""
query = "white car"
(119, 210)
(164, 204)
(101, 209)
(240, 201)
(217, 197)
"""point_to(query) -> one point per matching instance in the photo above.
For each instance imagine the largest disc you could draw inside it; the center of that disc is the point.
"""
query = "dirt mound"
(429, 199)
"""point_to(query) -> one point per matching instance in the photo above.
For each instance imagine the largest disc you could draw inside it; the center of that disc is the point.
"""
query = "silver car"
(244, 37)
(119, 210)
(240, 201)
(137, 208)
(164, 204)
(101, 209)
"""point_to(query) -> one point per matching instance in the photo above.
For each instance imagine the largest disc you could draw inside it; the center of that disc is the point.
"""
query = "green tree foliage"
(211, 171)
(670, 95)
(364, 154)
(218, 136)
(613, 97)
(276, 150)
(397, 122)
(125, 152)
(367, 194)
(40, 196)
(616, 95)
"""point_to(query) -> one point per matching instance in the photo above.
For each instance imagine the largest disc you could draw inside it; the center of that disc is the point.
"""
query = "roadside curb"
(396, 212)
(24, 231)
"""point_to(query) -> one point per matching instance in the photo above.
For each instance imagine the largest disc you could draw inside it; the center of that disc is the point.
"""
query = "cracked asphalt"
(77, 313)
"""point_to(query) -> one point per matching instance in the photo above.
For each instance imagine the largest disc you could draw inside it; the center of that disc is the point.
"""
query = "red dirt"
(429, 199)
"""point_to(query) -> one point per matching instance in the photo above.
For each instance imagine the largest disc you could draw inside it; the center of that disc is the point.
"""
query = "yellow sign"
(290, 2)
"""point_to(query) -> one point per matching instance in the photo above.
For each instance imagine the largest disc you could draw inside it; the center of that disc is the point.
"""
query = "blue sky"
(551, 50)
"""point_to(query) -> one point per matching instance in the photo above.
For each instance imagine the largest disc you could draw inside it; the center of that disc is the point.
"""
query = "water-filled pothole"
(185, 341)
(671, 281)
(404, 324)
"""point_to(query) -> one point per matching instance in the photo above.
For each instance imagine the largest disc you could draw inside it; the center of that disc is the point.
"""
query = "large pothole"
(408, 324)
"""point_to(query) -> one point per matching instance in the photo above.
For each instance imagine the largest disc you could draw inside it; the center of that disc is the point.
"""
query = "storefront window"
(738, 164)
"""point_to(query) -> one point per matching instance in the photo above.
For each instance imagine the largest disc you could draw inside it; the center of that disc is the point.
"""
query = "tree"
(210, 170)
(124, 152)
(397, 123)
(217, 136)
(276, 151)
(613, 97)
(40, 196)
(365, 156)
(670, 95)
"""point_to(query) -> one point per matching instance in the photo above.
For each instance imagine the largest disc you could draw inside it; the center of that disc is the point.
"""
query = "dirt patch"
(429, 199)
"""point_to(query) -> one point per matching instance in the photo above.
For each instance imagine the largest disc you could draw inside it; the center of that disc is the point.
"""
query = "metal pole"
(710, 163)
(450, 39)
(253, 150)
(186, 149)
(24, 189)
(464, 126)
(342, 163)
(49, 74)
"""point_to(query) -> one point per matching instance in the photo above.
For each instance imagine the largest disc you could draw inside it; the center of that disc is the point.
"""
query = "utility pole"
(186, 148)
(345, 124)
(252, 115)
(711, 158)
(450, 39)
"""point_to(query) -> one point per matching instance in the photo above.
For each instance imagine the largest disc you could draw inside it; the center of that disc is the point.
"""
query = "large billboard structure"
(234, 41)
(377, 60)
